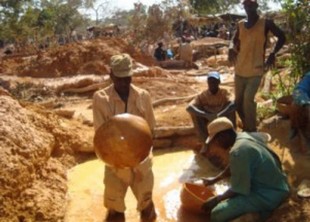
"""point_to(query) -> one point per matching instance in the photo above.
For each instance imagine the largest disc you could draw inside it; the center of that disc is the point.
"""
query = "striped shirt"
(212, 102)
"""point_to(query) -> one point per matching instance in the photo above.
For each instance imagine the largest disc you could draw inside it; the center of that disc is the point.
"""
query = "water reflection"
(171, 170)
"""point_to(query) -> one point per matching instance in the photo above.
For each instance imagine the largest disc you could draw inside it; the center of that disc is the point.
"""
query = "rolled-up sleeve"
(149, 112)
(240, 172)
(99, 116)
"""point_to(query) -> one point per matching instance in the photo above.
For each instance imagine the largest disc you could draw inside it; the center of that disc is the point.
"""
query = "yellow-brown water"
(171, 168)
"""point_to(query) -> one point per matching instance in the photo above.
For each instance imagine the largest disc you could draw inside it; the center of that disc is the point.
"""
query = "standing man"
(257, 182)
(124, 97)
(186, 50)
(247, 53)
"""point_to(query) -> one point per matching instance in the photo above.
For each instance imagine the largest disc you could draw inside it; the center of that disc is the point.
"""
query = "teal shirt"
(256, 172)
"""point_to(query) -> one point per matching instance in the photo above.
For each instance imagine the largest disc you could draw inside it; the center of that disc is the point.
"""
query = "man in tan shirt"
(210, 104)
(124, 97)
(247, 52)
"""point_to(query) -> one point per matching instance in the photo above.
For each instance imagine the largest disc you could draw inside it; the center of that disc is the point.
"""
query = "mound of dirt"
(85, 57)
(36, 149)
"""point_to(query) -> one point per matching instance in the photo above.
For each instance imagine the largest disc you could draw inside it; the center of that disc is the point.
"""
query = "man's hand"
(232, 56)
(207, 181)
(270, 63)
(210, 204)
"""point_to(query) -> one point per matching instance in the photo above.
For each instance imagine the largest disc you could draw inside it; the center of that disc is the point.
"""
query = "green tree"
(298, 35)
(25, 21)
(221, 6)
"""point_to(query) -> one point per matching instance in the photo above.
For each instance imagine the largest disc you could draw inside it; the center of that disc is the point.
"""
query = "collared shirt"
(256, 171)
(212, 102)
(107, 103)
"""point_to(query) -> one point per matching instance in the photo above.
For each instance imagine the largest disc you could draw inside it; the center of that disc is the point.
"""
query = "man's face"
(213, 85)
(224, 140)
(250, 7)
(121, 85)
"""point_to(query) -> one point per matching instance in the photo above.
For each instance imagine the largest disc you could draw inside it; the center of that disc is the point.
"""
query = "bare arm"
(199, 112)
(234, 47)
(228, 194)
(276, 31)
(224, 174)
(215, 200)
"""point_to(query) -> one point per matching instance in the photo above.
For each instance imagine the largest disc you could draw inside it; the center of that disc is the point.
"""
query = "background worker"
(300, 113)
(210, 104)
(124, 97)
(186, 50)
(247, 53)
(160, 53)
(257, 182)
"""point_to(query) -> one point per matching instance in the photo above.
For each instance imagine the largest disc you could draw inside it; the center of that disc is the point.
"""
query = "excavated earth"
(46, 121)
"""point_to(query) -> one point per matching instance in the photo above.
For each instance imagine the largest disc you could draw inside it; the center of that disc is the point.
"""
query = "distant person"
(300, 113)
(124, 97)
(209, 105)
(257, 182)
(160, 53)
(186, 51)
(170, 54)
(247, 53)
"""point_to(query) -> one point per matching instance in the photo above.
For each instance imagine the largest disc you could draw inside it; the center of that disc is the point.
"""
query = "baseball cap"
(218, 125)
(215, 75)
(121, 65)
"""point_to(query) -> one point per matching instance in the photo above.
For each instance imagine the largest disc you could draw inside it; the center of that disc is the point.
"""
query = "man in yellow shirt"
(247, 52)
(124, 97)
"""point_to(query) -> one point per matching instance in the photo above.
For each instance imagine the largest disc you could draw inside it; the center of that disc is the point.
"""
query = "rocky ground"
(46, 121)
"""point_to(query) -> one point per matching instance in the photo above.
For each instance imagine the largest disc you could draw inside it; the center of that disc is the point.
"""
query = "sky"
(113, 5)
(129, 4)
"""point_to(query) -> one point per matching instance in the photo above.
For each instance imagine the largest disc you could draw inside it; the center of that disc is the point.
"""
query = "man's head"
(121, 72)
(250, 6)
(160, 44)
(222, 131)
(214, 81)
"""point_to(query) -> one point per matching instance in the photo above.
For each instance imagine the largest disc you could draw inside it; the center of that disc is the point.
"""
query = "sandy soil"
(92, 57)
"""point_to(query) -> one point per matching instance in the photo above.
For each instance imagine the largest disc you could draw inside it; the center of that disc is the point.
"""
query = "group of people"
(258, 183)
(185, 51)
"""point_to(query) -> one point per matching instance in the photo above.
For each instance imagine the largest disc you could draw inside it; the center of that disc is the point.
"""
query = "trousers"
(245, 91)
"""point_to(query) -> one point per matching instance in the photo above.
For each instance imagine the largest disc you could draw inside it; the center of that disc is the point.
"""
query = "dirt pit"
(58, 111)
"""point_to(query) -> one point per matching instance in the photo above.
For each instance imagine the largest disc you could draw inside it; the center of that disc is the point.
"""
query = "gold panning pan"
(193, 196)
(125, 140)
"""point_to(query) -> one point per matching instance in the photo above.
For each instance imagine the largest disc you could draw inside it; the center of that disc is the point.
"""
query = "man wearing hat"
(257, 182)
(247, 53)
(124, 97)
(210, 104)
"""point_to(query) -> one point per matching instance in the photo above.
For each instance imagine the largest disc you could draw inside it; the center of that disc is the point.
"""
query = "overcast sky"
(129, 4)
